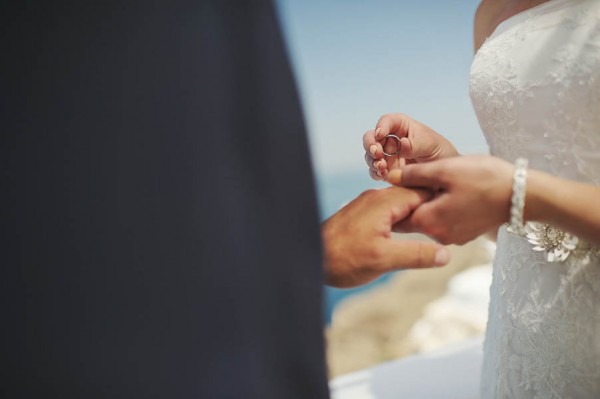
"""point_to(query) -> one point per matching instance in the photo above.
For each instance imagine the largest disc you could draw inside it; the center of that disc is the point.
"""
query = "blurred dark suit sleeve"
(161, 233)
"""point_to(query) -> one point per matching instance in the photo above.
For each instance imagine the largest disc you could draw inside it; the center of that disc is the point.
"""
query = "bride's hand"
(472, 197)
(418, 143)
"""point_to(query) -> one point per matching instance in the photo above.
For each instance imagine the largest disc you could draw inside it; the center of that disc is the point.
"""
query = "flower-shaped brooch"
(557, 244)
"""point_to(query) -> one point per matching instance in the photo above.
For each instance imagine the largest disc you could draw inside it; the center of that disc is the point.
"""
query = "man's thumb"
(414, 254)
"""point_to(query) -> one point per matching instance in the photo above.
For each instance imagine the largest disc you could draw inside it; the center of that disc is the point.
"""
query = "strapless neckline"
(543, 8)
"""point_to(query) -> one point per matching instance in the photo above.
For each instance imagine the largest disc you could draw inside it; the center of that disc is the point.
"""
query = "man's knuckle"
(377, 254)
(368, 193)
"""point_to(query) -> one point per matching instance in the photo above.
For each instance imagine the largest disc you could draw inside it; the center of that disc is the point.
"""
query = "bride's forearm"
(568, 205)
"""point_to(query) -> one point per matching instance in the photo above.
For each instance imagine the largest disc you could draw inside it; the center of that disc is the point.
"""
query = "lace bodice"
(535, 87)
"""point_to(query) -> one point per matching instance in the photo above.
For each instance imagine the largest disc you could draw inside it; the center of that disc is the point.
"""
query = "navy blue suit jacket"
(161, 233)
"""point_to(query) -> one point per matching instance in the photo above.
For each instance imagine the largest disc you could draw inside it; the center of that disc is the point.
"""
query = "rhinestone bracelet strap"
(518, 197)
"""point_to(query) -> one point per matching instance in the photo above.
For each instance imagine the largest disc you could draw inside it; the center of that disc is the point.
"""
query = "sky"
(357, 60)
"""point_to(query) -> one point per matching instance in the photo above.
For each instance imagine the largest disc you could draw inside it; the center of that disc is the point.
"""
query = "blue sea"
(335, 190)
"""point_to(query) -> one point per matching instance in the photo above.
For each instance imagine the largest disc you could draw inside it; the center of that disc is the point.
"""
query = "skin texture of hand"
(472, 197)
(357, 240)
(418, 143)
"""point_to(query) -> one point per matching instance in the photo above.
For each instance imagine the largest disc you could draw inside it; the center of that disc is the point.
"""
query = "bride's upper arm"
(482, 23)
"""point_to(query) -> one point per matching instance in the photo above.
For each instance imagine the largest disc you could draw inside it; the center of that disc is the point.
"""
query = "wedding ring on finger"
(384, 142)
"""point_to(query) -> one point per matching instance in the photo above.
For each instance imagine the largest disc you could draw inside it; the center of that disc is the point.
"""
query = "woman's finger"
(418, 147)
(375, 164)
(427, 175)
(372, 146)
(397, 124)
(374, 175)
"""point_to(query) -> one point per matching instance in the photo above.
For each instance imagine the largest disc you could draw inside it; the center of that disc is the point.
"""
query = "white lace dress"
(535, 87)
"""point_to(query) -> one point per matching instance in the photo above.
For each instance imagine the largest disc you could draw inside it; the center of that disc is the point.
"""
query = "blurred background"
(354, 61)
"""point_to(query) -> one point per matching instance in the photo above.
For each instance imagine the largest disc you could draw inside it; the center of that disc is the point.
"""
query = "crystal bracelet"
(517, 207)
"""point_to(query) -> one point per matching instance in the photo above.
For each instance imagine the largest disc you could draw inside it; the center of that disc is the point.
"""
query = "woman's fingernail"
(442, 256)
(373, 149)
(377, 133)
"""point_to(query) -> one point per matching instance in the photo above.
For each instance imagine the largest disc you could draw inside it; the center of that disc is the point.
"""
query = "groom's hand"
(358, 244)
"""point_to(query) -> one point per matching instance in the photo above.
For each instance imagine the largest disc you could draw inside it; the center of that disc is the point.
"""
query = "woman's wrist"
(538, 196)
